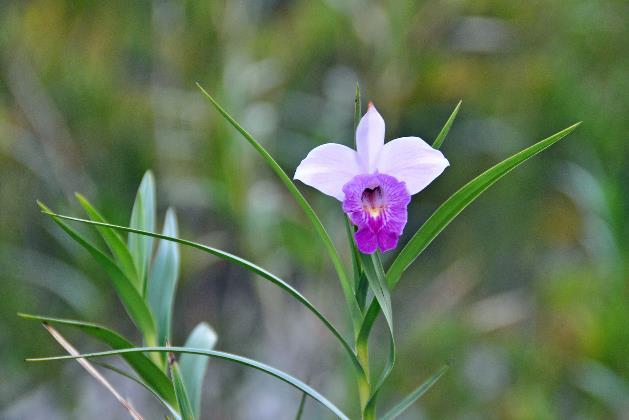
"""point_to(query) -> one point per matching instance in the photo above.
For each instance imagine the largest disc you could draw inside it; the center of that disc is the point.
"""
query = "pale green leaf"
(143, 217)
(163, 279)
(193, 367)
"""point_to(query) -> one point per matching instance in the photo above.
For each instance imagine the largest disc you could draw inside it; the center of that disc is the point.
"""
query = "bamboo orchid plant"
(374, 183)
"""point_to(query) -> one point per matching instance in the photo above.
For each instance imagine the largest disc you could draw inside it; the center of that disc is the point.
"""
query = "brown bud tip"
(370, 105)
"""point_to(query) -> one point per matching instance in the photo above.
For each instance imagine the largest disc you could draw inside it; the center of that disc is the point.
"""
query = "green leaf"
(446, 128)
(360, 280)
(115, 243)
(241, 262)
(163, 279)
(92, 371)
(378, 284)
(143, 217)
(131, 299)
(460, 200)
(127, 375)
(452, 207)
(415, 395)
(312, 393)
(146, 369)
(182, 393)
(352, 305)
(193, 367)
(372, 265)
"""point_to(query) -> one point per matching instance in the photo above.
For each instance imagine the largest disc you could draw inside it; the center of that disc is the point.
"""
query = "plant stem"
(364, 385)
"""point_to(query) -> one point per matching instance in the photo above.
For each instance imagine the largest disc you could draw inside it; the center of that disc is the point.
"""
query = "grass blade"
(415, 395)
(143, 217)
(115, 243)
(146, 369)
(352, 305)
(163, 279)
(460, 200)
(296, 383)
(241, 262)
(180, 390)
(131, 299)
(446, 128)
(93, 372)
(193, 367)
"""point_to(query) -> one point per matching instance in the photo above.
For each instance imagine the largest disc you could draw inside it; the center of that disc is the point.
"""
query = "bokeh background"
(527, 291)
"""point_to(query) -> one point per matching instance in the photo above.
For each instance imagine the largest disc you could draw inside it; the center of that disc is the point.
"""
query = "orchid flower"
(375, 182)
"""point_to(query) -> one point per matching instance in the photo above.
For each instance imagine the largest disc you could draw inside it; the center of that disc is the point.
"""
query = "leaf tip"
(43, 207)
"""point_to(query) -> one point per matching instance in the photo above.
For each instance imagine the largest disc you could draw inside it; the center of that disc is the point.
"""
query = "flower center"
(373, 202)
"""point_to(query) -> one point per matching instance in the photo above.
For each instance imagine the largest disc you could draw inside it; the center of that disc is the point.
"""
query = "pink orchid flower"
(374, 182)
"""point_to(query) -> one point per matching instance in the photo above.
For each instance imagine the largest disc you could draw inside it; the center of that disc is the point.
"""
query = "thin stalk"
(363, 382)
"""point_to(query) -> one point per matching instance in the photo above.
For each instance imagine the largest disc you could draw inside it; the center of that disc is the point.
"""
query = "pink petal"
(387, 240)
(412, 160)
(327, 168)
(366, 240)
(369, 139)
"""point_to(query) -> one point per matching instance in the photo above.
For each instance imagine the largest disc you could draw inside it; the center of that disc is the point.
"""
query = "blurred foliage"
(527, 291)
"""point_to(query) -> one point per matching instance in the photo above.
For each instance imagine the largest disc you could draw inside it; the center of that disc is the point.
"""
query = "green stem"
(364, 385)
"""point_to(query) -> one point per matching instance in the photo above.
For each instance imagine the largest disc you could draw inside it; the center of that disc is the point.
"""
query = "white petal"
(327, 168)
(412, 160)
(369, 139)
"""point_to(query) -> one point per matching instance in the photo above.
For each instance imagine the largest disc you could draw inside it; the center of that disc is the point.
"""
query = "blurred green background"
(527, 290)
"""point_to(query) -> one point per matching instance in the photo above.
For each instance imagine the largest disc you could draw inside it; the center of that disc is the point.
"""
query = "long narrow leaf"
(93, 372)
(460, 200)
(451, 208)
(163, 279)
(115, 243)
(307, 208)
(360, 281)
(143, 217)
(446, 128)
(372, 265)
(241, 262)
(220, 355)
(415, 395)
(182, 393)
(193, 367)
(129, 376)
(378, 284)
(146, 369)
(131, 299)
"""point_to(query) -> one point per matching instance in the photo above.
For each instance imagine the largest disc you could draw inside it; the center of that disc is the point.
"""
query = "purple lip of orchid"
(375, 182)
